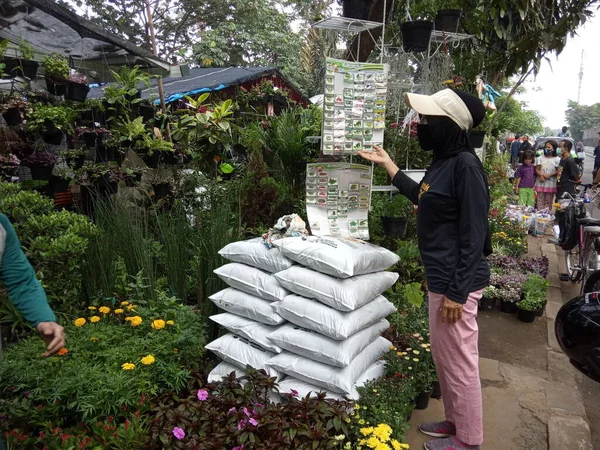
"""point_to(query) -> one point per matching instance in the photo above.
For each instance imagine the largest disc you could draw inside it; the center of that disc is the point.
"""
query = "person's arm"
(517, 182)
(574, 172)
(25, 291)
(472, 194)
(539, 173)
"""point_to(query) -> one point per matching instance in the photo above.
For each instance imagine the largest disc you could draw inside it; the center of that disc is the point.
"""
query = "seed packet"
(357, 132)
(348, 93)
(357, 145)
(328, 108)
(349, 76)
(329, 80)
(329, 90)
(328, 137)
(359, 77)
(339, 100)
(348, 146)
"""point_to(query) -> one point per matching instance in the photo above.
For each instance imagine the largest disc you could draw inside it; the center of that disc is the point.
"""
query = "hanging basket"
(356, 9)
(77, 92)
(41, 172)
(416, 35)
(56, 87)
(52, 136)
(12, 116)
(91, 138)
(477, 138)
(105, 153)
(75, 162)
(16, 67)
(447, 20)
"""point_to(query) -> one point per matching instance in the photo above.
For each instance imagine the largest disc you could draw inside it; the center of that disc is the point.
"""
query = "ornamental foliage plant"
(535, 289)
(44, 118)
(56, 67)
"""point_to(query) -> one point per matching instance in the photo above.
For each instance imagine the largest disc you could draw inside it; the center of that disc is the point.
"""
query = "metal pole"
(161, 93)
(383, 32)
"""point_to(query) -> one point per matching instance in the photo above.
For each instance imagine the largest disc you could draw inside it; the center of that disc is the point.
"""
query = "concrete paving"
(533, 398)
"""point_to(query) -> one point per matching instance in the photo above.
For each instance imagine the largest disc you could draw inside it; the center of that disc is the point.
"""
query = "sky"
(556, 84)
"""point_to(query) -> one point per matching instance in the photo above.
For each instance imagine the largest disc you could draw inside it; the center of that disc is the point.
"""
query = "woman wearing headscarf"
(453, 235)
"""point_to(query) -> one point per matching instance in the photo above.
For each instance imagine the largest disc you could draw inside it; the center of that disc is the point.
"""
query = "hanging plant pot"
(56, 87)
(422, 400)
(59, 184)
(133, 180)
(147, 112)
(41, 172)
(75, 162)
(13, 116)
(447, 20)
(476, 137)
(356, 9)
(161, 189)
(416, 35)
(52, 136)
(487, 304)
(16, 67)
(77, 92)
(105, 153)
(93, 138)
(152, 160)
(525, 316)
(508, 307)
(437, 390)
(394, 227)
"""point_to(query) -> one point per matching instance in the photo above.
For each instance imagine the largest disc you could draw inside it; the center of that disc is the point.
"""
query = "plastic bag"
(253, 331)
(252, 281)
(255, 253)
(246, 305)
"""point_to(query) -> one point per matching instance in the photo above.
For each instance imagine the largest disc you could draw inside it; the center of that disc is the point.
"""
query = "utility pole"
(580, 76)
(161, 93)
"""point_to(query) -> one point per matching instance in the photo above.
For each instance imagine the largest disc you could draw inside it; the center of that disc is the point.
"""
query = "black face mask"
(425, 137)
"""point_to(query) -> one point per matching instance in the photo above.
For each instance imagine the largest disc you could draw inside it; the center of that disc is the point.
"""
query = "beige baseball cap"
(443, 103)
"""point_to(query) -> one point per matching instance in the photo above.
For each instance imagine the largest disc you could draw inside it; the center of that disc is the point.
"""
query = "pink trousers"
(456, 356)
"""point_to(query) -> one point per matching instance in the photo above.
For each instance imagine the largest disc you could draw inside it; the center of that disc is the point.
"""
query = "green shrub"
(44, 117)
(535, 289)
(23, 205)
(56, 66)
(90, 382)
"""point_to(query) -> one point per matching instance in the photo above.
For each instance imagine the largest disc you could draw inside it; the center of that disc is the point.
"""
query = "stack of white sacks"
(318, 323)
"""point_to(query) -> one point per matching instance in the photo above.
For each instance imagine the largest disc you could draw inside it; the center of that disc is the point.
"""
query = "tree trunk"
(369, 38)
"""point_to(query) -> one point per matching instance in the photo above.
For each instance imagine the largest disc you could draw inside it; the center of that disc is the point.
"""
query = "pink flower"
(239, 447)
(241, 424)
(245, 411)
(202, 394)
(178, 433)
(294, 392)
(253, 422)
(393, 125)
(231, 411)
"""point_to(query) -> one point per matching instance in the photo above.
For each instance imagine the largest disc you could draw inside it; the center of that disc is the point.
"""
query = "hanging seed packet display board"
(338, 196)
(354, 106)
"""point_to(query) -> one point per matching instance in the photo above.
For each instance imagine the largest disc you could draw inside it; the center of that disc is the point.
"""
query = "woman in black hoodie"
(453, 235)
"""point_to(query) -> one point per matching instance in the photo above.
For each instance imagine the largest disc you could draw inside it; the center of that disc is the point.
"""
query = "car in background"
(540, 142)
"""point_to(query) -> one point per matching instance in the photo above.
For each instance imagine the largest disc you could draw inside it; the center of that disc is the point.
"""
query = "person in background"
(568, 173)
(596, 159)
(565, 132)
(514, 151)
(580, 151)
(454, 240)
(26, 292)
(525, 180)
(524, 147)
(546, 169)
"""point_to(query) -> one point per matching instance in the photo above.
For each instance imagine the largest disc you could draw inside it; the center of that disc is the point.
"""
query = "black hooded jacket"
(452, 218)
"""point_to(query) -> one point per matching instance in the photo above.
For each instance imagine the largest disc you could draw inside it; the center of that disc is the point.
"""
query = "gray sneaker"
(450, 443)
(438, 429)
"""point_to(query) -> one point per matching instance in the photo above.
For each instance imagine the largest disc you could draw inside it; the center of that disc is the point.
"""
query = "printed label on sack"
(251, 344)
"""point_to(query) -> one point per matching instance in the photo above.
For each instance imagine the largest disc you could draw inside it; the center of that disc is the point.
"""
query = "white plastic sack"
(255, 253)
(223, 370)
(241, 353)
(252, 281)
(343, 295)
(253, 331)
(246, 305)
(315, 316)
(317, 347)
(339, 257)
(335, 379)
(303, 388)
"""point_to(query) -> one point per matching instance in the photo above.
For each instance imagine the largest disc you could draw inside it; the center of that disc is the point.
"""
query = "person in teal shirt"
(26, 292)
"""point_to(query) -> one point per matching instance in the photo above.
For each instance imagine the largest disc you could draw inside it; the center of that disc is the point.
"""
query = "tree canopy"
(582, 117)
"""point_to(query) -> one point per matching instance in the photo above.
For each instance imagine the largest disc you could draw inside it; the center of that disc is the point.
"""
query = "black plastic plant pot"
(152, 160)
(487, 303)
(508, 307)
(133, 180)
(447, 20)
(56, 88)
(394, 227)
(169, 158)
(91, 138)
(105, 153)
(52, 137)
(161, 189)
(77, 92)
(133, 97)
(12, 116)
(476, 138)
(422, 400)
(147, 112)
(41, 172)
(356, 9)
(105, 185)
(525, 316)
(437, 390)
(16, 67)
(416, 35)
(75, 162)
(59, 184)
(540, 312)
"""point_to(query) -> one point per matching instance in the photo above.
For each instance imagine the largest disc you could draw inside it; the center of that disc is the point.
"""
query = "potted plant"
(92, 136)
(131, 81)
(396, 215)
(92, 114)
(447, 20)
(416, 35)
(488, 300)
(51, 122)
(153, 148)
(8, 166)
(133, 175)
(56, 72)
(535, 292)
(60, 180)
(74, 158)
(12, 107)
(147, 111)
(41, 163)
(77, 88)
(356, 9)
(103, 177)
(23, 65)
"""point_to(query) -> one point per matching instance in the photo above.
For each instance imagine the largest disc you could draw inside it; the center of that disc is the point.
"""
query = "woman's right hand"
(378, 156)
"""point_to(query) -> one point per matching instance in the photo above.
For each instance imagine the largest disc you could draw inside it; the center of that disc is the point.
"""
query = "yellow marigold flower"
(104, 309)
(130, 307)
(118, 311)
(147, 360)
(399, 446)
(80, 322)
(124, 303)
(399, 353)
(134, 321)
(158, 324)
(128, 366)
(94, 319)
(170, 322)
(92, 308)
(372, 442)
(93, 339)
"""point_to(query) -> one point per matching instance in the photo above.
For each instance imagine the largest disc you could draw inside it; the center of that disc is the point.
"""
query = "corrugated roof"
(199, 81)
